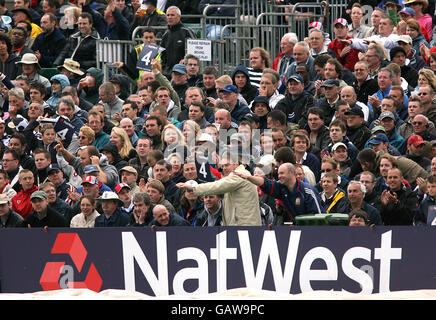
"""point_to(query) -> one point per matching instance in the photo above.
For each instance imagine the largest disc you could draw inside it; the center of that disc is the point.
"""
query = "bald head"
(348, 94)
(223, 118)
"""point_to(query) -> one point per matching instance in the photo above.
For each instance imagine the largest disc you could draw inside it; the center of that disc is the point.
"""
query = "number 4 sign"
(148, 53)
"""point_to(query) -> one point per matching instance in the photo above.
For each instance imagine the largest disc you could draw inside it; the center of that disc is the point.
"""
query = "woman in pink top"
(424, 19)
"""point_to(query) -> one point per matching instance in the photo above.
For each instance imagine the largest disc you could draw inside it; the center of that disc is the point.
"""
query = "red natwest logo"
(69, 243)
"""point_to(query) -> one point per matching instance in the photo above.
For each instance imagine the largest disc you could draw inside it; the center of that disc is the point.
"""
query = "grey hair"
(291, 37)
(362, 186)
(303, 44)
(17, 92)
(179, 13)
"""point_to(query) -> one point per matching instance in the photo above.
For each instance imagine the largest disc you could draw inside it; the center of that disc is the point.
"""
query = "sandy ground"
(234, 294)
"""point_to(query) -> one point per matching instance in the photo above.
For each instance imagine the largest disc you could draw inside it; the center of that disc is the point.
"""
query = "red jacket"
(350, 59)
(21, 202)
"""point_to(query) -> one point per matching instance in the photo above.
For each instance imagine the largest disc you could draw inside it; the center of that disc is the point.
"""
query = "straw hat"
(72, 66)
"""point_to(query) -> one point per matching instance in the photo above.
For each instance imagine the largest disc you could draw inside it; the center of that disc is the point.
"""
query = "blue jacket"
(373, 214)
(117, 219)
(426, 213)
(238, 112)
(304, 199)
(119, 30)
(314, 164)
(49, 46)
(64, 81)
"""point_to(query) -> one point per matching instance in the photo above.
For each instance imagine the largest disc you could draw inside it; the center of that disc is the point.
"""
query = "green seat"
(322, 219)
(48, 72)
(196, 27)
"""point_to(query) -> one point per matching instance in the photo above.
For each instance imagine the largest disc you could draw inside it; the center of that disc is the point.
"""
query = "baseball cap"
(386, 114)
(252, 117)
(395, 50)
(180, 68)
(339, 144)
(39, 194)
(205, 137)
(230, 88)
(120, 186)
(129, 169)
(90, 180)
(355, 112)
(378, 128)
(316, 25)
(405, 38)
(378, 138)
(52, 167)
(331, 83)
(296, 77)
(341, 21)
(408, 11)
(192, 183)
(90, 168)
(415, 140)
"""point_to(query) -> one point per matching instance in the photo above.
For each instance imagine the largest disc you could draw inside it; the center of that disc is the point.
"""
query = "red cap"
(341, 21)
(415, 140)
(120, 186)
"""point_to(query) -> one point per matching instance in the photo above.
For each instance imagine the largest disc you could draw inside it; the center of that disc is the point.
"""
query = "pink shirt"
(426, 22)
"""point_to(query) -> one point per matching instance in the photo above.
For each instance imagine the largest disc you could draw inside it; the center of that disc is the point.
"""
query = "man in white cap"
(112, 215)
(413, 59)
(8, 218)
(30, 66)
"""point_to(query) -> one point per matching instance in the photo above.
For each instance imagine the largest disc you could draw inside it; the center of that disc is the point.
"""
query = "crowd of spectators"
(335, 123)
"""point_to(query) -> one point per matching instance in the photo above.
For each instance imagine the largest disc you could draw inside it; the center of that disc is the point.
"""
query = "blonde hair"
(194, 125)
(126, 145)
(88, 132)
(180, 137)
(430, 76)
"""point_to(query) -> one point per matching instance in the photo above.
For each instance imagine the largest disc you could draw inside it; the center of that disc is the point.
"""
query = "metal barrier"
(234, 48)
(254, 23)
(109, 51)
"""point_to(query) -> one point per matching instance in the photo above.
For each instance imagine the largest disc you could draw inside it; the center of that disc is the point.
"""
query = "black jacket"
(322, 140)
(173, 40)
(175, 220)
(14, 220)
(53, 219)
(296, 110)
(9, 68)
(153, 19)
(368, 88)
(402, 212)
(85, 53)
(359, 136)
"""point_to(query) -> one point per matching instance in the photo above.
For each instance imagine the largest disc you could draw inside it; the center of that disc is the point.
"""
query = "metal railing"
(254, 23)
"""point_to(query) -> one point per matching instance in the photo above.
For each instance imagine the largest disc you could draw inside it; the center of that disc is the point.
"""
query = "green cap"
(378, 128)
(38, 195)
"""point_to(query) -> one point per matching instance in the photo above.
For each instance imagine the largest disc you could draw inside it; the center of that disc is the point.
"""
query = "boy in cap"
(346, 55)
(125, 195)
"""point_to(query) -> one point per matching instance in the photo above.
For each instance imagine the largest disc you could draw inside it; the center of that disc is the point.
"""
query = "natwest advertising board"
(187, 260)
